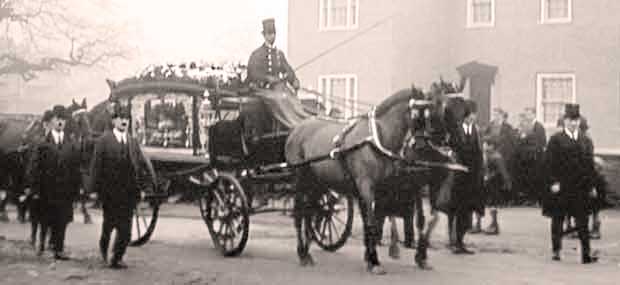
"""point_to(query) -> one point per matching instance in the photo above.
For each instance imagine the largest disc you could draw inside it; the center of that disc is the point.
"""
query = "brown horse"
(356, 171)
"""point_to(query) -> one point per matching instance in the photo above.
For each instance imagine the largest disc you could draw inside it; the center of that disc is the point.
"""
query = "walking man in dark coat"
(570, 165)
(467, 191)
(55, 181)
(118, 170)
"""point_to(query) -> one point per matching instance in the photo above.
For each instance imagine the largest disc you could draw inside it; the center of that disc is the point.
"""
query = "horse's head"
(79, 124)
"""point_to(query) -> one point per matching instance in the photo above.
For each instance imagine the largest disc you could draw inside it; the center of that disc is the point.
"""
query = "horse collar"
(374, 137)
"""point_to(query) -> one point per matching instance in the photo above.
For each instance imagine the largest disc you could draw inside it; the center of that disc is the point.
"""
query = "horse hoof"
(376, 270)
(306, 261)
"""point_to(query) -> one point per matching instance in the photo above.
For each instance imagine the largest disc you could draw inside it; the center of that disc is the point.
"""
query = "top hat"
(47, 116)
(269, 25)
(571, 111)
(122, 112)
(59, 111)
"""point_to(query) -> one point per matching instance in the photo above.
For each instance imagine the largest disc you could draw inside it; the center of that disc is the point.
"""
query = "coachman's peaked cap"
(269, 25)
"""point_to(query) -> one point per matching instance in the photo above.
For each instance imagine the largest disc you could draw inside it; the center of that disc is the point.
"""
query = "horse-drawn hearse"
(222, 137)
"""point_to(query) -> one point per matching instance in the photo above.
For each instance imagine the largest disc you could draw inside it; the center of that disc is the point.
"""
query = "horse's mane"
(397, 98)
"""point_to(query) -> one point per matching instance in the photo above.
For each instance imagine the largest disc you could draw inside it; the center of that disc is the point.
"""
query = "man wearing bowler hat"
(570, 180)
(54, 174)
(117, 172)
(267, 65)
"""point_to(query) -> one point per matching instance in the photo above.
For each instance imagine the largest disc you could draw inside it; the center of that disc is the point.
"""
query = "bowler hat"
(120, 111)
(571, 111)
(269, 25)
(60, 112)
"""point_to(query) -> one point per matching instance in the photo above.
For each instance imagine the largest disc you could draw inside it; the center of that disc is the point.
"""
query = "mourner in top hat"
(119, 169)
(268, 65)
(467, 190)
(55, 181)
(570, 166)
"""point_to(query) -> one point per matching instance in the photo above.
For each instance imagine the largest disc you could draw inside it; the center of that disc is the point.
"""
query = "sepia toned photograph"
(243, 142)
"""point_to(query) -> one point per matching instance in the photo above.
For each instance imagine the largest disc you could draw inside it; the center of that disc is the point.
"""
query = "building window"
(340, 92)
(338, 14)
(553, 91)
(556, 11)
(480, 13)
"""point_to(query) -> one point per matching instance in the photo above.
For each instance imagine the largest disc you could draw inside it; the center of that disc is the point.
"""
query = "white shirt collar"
(120, 136)
(58, 136)
(570, 135)
(273, 46)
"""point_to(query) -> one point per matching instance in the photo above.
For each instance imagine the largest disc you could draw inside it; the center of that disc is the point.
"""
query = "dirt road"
(181, 252)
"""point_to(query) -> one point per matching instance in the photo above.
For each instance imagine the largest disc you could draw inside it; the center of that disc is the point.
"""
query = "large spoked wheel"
(144, 221)
(333, 220)
(224, 208)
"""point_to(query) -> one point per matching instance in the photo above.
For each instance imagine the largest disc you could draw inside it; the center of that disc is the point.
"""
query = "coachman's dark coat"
(54, 174)
(569, 162)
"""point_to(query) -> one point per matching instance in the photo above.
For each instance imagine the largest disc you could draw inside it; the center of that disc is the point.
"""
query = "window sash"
(338, 14)
(342, 90)
(553, 92)
(480, 13)
(556, 11)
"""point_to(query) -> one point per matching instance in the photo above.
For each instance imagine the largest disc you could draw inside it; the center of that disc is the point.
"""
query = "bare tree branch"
(49, 24)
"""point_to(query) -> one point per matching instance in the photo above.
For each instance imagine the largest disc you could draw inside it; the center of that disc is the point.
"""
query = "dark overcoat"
(54, 175)
(570, 163)
(468, 188)
(119, 190)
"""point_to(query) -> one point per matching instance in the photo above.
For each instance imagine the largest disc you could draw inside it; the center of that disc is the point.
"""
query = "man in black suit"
(467, 190)
(118, 170)
(55, 181)
(570, 167)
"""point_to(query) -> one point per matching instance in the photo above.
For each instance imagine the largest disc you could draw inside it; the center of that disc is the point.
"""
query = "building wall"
(368, 55)
(426, 39)
(589, 47)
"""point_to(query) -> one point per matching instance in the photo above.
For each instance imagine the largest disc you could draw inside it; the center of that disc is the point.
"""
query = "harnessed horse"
(365, 157)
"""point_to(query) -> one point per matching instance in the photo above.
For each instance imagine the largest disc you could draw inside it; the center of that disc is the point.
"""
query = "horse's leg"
(421, 255)
(4, 197)
(83, 201)
(300, 213)
(394, 250)
(451, 230)
(366, 204)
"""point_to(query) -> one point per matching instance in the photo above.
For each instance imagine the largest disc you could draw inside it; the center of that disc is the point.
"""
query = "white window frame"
(348, 26)
(325, 90)
(545, 20)
(470, 16)
(539, 100)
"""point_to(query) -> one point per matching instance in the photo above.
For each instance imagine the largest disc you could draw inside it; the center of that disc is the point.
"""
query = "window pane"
(482, 11)
(325, 12)
(557, 9)
(552, 112)
(556, 92)
(353, 12)
(339, 13)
